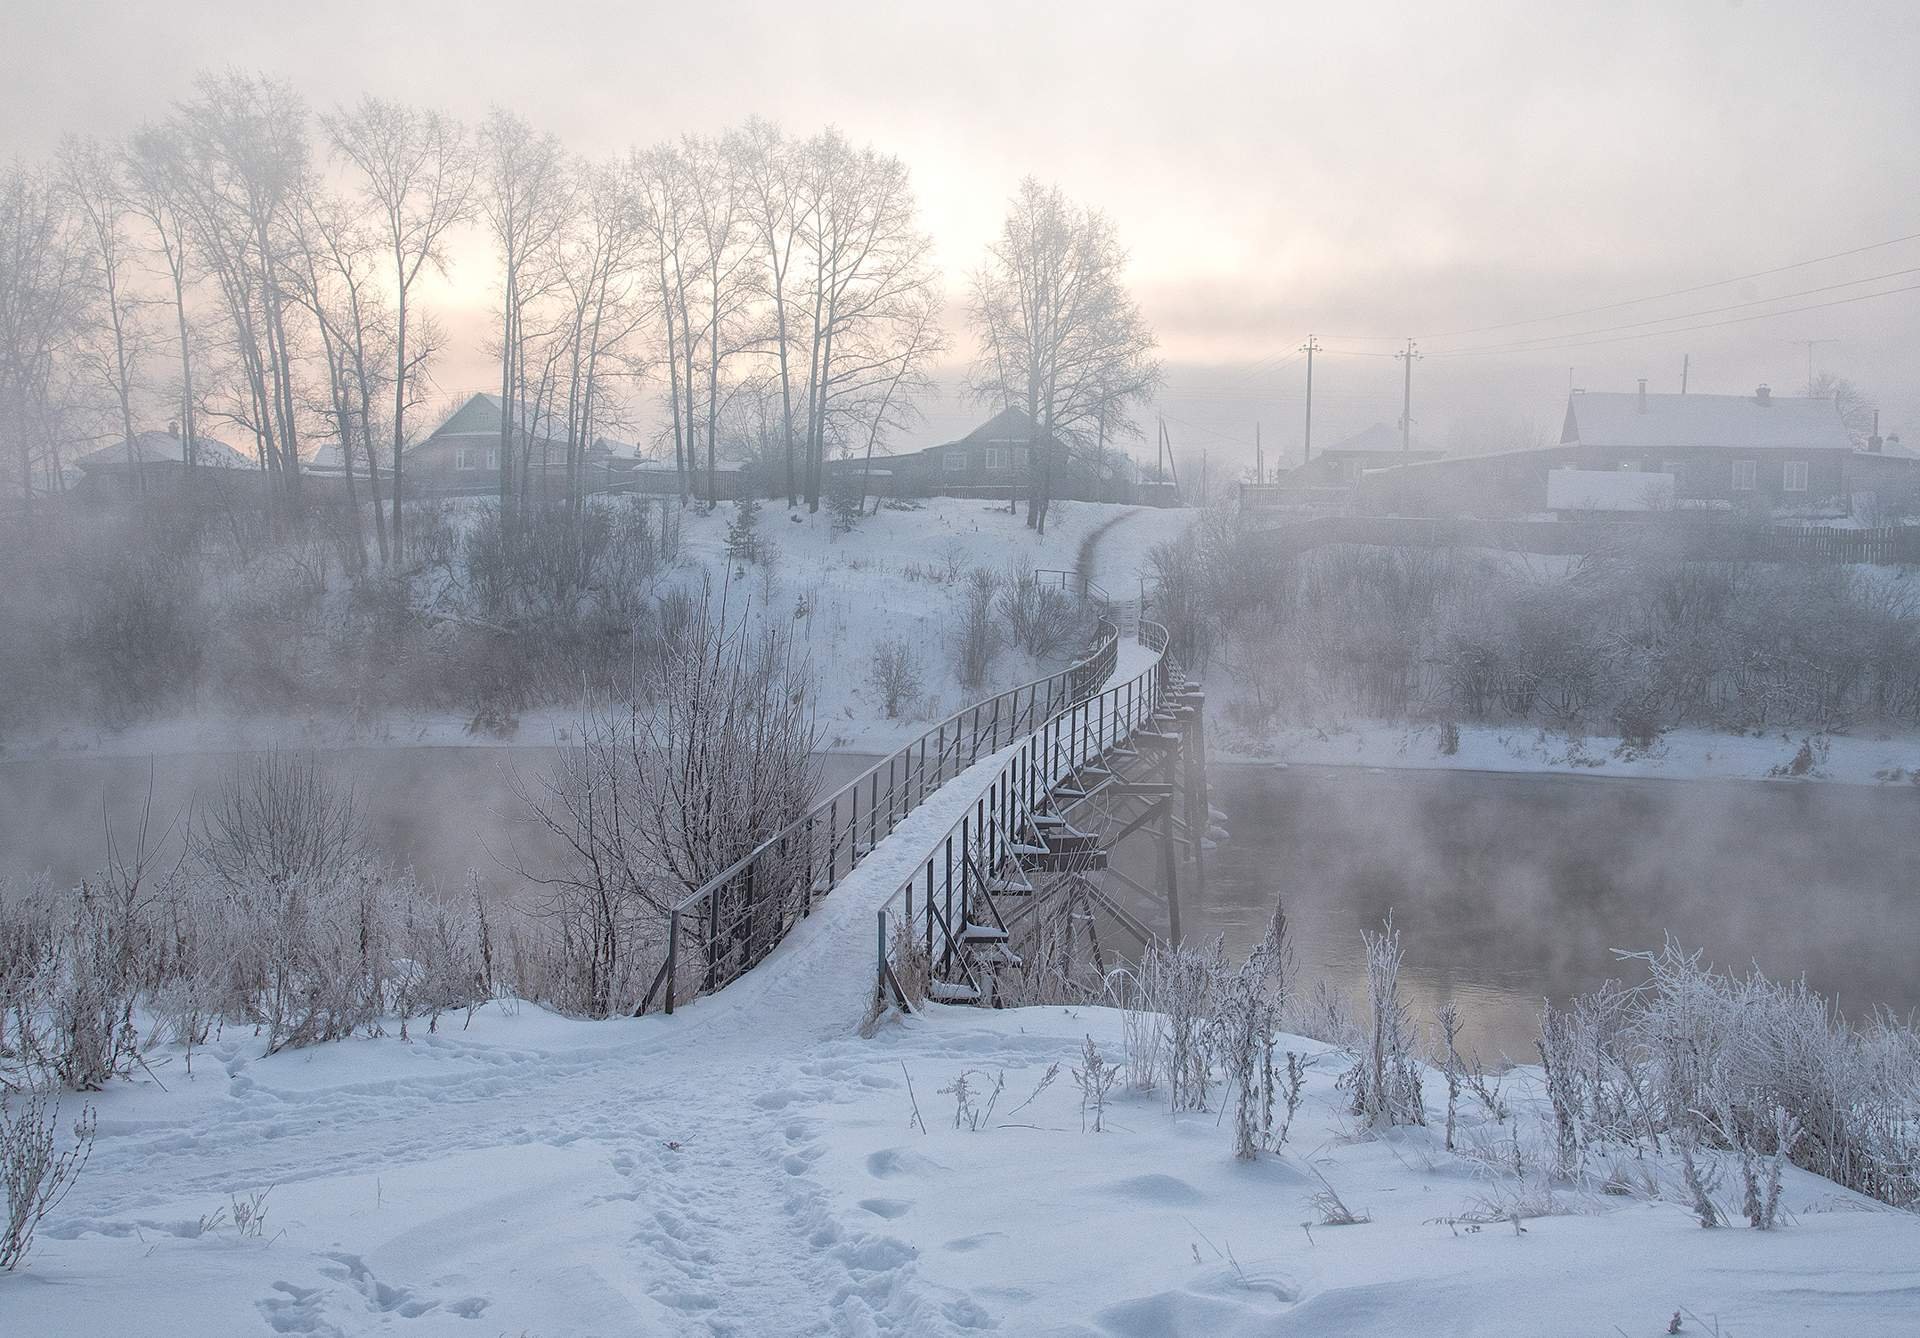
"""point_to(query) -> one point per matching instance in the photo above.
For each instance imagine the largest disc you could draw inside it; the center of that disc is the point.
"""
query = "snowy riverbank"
(754, 1166)
(901, 573)
(1684, 754)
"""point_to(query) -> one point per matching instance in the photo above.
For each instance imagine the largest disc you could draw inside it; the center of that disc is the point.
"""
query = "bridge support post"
(1170, 870)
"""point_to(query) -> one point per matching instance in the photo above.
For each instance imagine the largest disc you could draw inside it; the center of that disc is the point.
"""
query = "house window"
(996, 458)
(476, 457)
(956, 462)
(1743, 476)
(1795, 476)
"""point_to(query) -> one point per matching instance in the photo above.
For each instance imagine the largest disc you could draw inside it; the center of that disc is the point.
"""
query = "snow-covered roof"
(154, 448)
(1744, 422)
(1010, 424)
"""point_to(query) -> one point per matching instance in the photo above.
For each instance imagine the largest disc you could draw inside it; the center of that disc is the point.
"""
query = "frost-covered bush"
(1728, 1058)
(1170, 1000)
(1044, 620)
(1385, 1078)
(38, 1173)
(976, 636)
(1249, 1007)
(895, 674)
(1635, 644)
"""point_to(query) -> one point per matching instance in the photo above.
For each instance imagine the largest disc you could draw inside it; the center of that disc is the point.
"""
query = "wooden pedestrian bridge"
(1046, 782)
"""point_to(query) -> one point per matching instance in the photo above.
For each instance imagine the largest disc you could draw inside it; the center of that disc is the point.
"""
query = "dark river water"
(1506, 888)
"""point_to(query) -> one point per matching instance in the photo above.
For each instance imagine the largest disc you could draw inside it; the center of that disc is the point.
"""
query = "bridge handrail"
(1067, 740)
(793, 858)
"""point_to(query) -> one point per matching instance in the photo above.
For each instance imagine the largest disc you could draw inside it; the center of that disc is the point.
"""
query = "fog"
(1368, 174)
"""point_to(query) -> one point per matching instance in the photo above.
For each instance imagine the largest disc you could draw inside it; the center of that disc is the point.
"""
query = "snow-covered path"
(547, 1176)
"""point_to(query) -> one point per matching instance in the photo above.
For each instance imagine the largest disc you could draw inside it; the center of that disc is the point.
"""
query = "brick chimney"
(1763, 396)
(1874, 442)
(1643, 395)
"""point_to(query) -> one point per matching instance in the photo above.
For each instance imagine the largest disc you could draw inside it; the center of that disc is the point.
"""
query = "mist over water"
(1508, 889)
(441, 811)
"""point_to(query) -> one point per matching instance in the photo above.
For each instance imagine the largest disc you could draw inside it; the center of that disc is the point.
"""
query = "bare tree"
(722, 237)
(766, 163)
(417, 175)
(661, 179)
(600, 270)
(41, 318)
(154, 174)
(524, 200)
(246, 155)
(96, 188)
(1059, 333)
(1856, 409)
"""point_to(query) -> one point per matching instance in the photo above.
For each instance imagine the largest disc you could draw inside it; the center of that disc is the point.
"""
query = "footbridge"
(1048, 782)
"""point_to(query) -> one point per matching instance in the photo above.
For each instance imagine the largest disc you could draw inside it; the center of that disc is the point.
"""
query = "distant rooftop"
(1753, 422)
(157, 448)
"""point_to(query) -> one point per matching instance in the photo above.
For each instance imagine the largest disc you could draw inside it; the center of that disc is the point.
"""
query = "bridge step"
(1068, 793)
(1009, 887)
(1048, 820)
(953, 991)
(983, 934)
(1069, 861)
(1024, 851)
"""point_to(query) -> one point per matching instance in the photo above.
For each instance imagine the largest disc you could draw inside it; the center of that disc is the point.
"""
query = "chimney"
(1874, 443)
(173, 429)
(1643, 394)
(1763, 396)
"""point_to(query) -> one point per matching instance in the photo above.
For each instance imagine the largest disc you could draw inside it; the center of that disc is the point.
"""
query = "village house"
(995, 461)
(153, 463)
(1745, 454)
(1375, 447)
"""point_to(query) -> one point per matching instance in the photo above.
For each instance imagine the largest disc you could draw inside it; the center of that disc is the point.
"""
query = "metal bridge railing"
(733, 920)
(945, 893)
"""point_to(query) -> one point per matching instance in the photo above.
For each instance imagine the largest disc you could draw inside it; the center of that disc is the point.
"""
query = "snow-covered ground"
(753, 1166)
(1682, 754)
(901, 572)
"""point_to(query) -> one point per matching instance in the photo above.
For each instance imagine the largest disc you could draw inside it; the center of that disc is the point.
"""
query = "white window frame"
(997, 461)
(954, 462)
(1793, 476)
(1744, 472)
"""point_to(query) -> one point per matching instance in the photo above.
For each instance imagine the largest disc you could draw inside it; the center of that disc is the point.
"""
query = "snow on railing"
(937, 903)
(733, 920)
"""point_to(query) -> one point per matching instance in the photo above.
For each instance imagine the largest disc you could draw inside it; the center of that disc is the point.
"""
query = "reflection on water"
(1511, 888)
(1505, 888)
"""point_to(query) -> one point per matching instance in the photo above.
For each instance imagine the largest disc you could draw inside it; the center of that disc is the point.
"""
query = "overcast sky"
(1358, 170)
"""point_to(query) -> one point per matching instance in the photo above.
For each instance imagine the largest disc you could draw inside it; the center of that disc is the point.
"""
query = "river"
(1505, 888)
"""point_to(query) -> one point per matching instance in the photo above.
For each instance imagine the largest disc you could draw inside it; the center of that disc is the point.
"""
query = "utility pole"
(1310, 348)
(1406, 403)
(1259, 458)
(1810, 343)
(1686, 360)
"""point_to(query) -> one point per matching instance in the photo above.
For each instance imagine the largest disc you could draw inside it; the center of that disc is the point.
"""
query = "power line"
(1520, 345)
(1709, 325)
(1657, 297)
